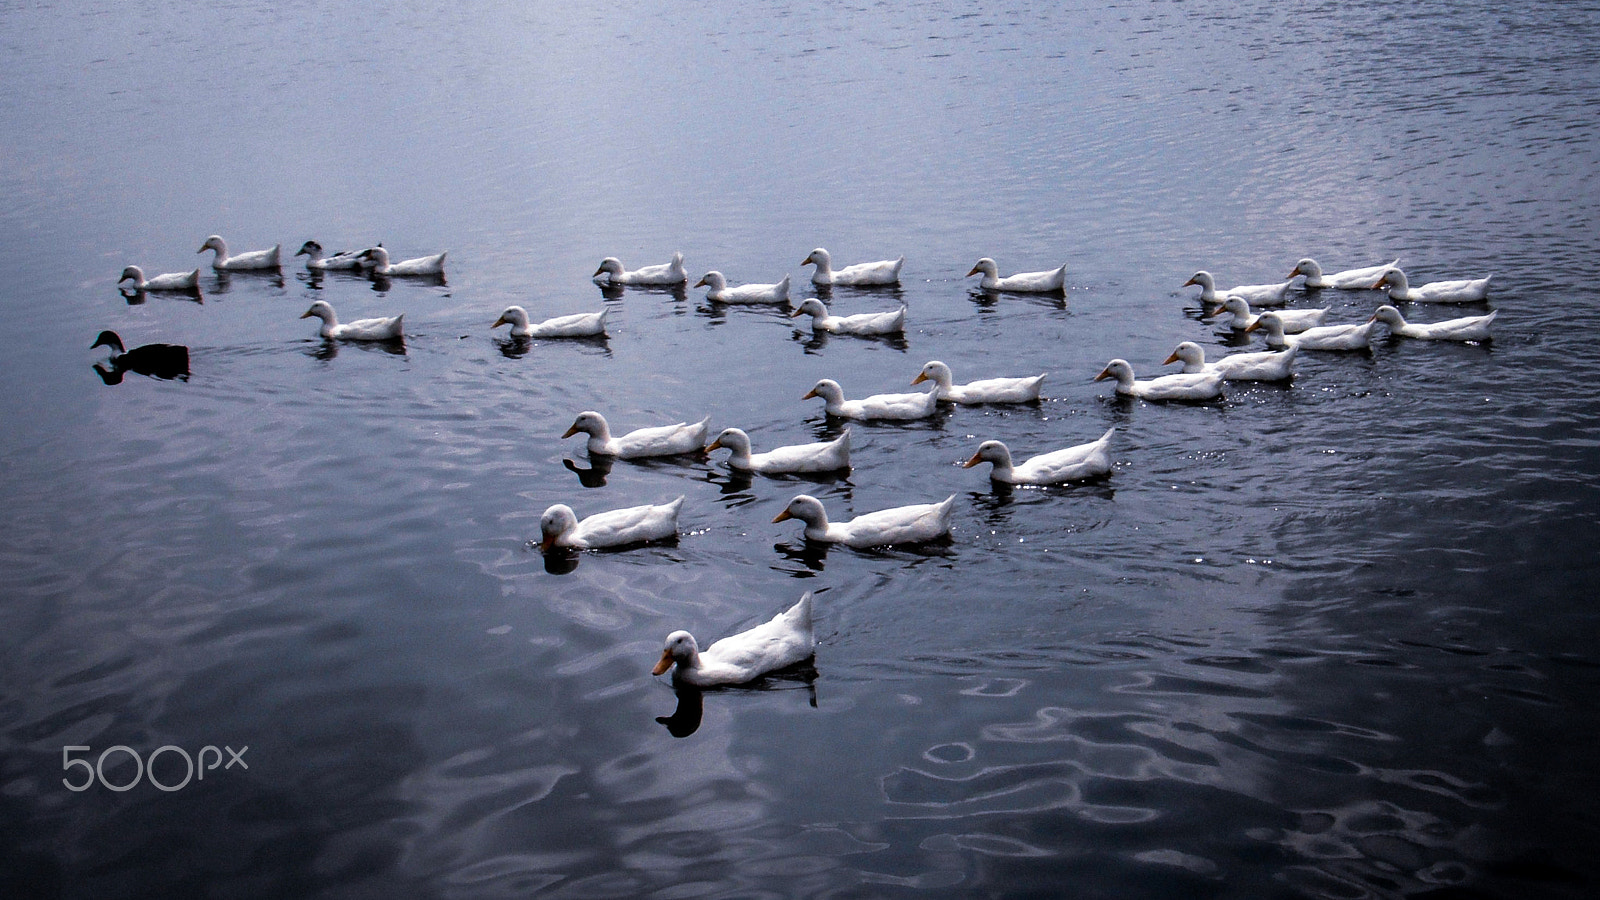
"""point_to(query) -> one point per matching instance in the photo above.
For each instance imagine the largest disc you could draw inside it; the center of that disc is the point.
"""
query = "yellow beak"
(972, 462)
(663, 664)
(782, 517)
(570, 432)
(1171, 359)
(920, 377)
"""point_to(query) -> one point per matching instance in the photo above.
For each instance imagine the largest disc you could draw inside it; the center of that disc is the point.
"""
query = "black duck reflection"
(167, 361)
(595, 475)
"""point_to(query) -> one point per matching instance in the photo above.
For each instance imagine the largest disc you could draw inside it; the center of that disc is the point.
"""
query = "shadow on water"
(518, 347)
(595, 475)
(326, 349)
(687, 715)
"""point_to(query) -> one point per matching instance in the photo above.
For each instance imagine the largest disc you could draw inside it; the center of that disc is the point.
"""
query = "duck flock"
(788, 638)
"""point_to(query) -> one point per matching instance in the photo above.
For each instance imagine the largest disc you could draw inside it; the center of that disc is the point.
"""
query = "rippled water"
(1327, 640)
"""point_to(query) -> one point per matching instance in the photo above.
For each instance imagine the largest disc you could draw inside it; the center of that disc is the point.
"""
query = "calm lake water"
(1334, 639)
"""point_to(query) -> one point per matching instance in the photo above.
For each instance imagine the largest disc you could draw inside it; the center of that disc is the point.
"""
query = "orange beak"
(498, 322)
(1189, 282)
(570, 432)
(782, 517)
(974, 271)
(700, 283)
(1253, 326)
(811, 393)
(1104, 374)
(714, 445)
(598, 271)
(1381, 282)
(1171, 359)
(663, 664)
(548, 542)
(306, 314)
(920, 378)
(972, 462)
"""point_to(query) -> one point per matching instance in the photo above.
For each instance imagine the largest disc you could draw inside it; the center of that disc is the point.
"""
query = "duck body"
(642, 443)
(1348, 280)
(1471, 290)
(612, 272)
(1294, 320)
(1269, 365)
(1466, 328)
(376, 261)
(1022, 282)
(381, 329)
(719, 292)
(1254, 294)
(823, 456)
(899, 525)
(986, 390)
(783, 641)
(866, 324)
(226, 262)
(573, 326)
(560, 526)
(170, 281)
(1070, 464)
(1201, 386)
(156, 360)
(316, 261)
(900, 407)
(886, 271)
(1357, 336)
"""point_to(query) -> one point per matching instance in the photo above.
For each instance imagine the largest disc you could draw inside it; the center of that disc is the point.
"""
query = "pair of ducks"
(882, 272)
(1388, 276)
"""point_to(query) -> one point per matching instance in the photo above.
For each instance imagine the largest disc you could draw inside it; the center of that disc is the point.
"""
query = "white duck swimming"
(1357, 336)
(577, 325)
(1022, 282)
(376, 260)
(317, 262)
(867, 324)
(1254, 294)
(660, 440)
(823, 456)
(1465, 291)
(1270, 365)
(1204, 386)
(1348, 280)
(903, 407)
(612, 272)
(886, 271)
(1070, 464)
(899, 525)
(783, 641)
(381, 329)
(1466, 328)
(1294, 320)
(223, 261)
(560, 527)
(171, 281)
(987, 390)
(719, 292)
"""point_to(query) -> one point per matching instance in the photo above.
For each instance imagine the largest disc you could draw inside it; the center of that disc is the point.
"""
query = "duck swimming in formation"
(886, 271)
(719, 292)
(612, 272)
(900, 525)
(226, 262)
(577, 325)
(901, 407)
(1465, 291)
(866, 324)
(987, 390)
(1348, 280)
(378, 329)
(1294, 320)
(1269, 365)
(1357, 336)
(1022, 282)
(376, 261)
(1070, 464)
(1466, 328)
(170, 281)
(785, 640)
(560, 526)
(823, 456)
(642, 443)
(1254, 294)
(1203, 386)
(317, 262)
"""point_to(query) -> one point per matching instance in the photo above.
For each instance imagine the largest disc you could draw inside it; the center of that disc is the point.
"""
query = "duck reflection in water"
(595, 475)
(155, 360)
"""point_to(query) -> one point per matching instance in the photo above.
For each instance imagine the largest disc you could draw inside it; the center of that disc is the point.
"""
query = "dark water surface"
(1329, 640)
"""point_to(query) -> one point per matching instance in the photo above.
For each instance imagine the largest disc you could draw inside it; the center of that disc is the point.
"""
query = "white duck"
(823, 456)
(719, 292)
(317, 262)
(1254, 294)
(560, 527)
(1356, 336)
(1348, 280)
(1070, 464)
(660, 440)
(987, 390)
(1022, 282)
(1204, 386)
(255, 259)
(1466, 328)
(867, 324)
(612, 272)
(783, 641)
(1294, 320)
(903, 407)
(899, 525)
(1270, 365)
(886, 271)
(577, 325)
(170, 281)
(380, 329)
(376, 260)
(1465, 291)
